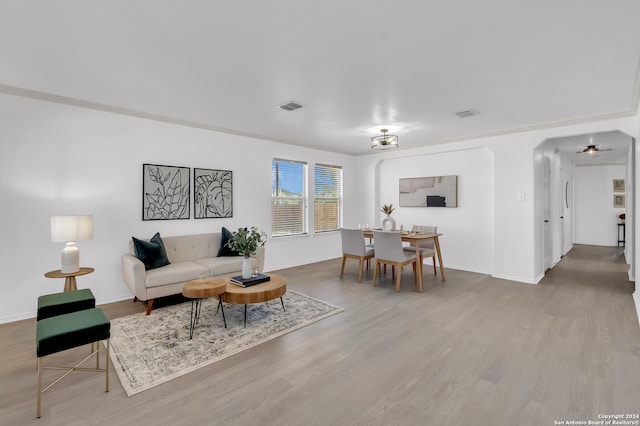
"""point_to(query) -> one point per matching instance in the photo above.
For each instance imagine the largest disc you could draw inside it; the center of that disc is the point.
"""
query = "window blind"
(327, 197)
(288, 197)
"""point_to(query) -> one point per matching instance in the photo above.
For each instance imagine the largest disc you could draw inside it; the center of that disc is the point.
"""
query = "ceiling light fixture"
(592, 149)
(290, 106)
(384, 141)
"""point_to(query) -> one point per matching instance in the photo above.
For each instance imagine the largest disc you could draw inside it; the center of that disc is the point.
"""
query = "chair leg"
(360, 272)
(39, 387)
(344, 259)
(95, 350)
(434, 266)
(376, 268)
(107, 365)
(399, 277)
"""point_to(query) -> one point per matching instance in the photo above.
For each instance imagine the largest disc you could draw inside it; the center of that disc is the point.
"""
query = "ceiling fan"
(590, 149)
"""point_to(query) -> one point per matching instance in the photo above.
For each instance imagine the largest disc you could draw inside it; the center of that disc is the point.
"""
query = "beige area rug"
(149, 350)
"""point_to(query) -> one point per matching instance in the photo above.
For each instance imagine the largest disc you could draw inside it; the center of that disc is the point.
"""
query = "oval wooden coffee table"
(197, 290)
(259, 293)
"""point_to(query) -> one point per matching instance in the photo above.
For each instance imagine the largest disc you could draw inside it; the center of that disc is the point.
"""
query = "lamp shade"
(71, 228)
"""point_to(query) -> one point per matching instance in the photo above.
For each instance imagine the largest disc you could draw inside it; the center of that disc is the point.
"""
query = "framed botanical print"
(618, 201)
(212, 193)
(165, 192)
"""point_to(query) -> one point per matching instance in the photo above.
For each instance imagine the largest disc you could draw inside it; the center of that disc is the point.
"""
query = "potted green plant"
(246, 242)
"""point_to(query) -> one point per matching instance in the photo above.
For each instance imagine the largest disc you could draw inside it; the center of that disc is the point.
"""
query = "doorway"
(562, 164)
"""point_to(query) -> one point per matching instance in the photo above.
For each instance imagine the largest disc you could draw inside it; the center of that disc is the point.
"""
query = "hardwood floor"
(471, 350)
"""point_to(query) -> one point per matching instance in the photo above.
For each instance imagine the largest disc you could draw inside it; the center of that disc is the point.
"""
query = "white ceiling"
(357, 66)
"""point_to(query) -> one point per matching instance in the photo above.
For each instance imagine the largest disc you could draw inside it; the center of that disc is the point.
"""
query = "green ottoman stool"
(66, 331)
(51, 305)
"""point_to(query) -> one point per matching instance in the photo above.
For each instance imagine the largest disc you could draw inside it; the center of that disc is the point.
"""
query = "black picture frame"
(212, 193)
(165, 192)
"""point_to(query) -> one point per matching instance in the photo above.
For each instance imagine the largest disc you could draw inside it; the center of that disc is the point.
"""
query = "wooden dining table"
(416, 238)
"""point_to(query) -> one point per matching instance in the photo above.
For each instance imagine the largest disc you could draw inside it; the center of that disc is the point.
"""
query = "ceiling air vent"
(467, 113)
(291, 106)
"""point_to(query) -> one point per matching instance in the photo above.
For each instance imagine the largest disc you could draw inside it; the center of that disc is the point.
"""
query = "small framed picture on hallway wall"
(618, 201)
(618, 185)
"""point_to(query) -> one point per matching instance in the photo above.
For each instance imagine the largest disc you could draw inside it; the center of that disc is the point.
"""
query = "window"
(288, 197)
(328, 197)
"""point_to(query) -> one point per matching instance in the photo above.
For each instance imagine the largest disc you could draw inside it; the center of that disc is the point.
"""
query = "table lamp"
(70, 229)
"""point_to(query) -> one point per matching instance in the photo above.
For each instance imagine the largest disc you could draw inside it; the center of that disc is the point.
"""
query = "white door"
(547, 240)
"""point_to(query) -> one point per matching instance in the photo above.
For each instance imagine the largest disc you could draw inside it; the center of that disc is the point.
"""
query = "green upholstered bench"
(51, 305)
(66, 331)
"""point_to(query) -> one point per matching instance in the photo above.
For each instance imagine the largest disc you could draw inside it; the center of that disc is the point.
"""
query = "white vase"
(246, 268)
(389, 223)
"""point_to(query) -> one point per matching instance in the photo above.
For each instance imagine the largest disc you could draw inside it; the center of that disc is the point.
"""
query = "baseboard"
(114, 299)
(459, 268)
(32, 314)
(636, 298)
(518, 279)
(14, 318)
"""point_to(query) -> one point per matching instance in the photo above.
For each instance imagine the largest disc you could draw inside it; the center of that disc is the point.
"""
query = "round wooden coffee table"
(197, 290)
(259, 293)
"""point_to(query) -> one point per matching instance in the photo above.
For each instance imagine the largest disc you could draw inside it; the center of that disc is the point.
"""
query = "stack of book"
(248, 282)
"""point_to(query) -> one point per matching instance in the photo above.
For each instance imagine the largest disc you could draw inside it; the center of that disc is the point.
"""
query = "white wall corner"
(636, 298)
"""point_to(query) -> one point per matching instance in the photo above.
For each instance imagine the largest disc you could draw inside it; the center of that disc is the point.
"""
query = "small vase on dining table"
(388, 223)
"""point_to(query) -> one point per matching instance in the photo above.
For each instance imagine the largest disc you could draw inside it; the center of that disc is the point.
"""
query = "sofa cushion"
(222, 265)
(152, 253)
(224, 248)
(174, 273)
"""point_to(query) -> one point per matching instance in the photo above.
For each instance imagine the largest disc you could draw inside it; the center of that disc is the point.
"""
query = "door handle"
(546, 221)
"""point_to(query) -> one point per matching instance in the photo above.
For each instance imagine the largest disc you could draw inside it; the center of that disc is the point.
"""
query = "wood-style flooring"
(474, 350)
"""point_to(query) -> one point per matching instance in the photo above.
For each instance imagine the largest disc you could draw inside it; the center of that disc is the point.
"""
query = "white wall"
(596, 220)
(517, 223)
(636, 212)
(58, 159)
(467, 241)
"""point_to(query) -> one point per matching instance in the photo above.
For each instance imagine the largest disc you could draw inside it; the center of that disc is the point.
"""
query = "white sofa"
(189, 256)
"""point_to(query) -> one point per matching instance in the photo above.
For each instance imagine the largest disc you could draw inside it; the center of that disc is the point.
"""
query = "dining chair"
(353, 246)
(389, 251)
(427, 247)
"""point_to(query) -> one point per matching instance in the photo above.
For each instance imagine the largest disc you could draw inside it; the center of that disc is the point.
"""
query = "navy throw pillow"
(224, 248)
(152, 253)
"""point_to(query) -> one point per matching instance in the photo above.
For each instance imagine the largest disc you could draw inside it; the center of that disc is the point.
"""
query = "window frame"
(318, 200)
(304, 199)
